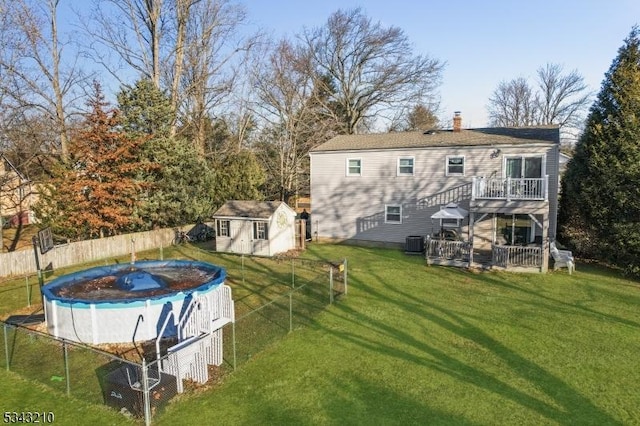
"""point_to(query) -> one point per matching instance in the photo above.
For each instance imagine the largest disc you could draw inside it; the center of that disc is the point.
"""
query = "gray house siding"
(353, 207)
(553, 170)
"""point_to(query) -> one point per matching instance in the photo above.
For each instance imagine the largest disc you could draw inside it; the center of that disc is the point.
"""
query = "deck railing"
(450, 250)
(507, 256)
(510, 188)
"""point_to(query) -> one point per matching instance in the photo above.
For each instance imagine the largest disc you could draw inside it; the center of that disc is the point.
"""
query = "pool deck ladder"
(199, 336)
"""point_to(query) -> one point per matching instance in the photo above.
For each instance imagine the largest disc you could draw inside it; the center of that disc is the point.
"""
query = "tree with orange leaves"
(98, 192)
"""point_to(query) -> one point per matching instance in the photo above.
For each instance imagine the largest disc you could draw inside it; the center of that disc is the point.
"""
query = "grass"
(412, 344)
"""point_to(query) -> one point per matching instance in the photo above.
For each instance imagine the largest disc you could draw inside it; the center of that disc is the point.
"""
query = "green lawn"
(412, 344)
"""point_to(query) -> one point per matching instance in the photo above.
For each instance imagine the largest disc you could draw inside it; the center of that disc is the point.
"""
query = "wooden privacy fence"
(23, 262)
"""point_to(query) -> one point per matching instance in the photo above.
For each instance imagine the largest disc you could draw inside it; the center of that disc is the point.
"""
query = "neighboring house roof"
(249, 209)
(564, 158)
(436, 138)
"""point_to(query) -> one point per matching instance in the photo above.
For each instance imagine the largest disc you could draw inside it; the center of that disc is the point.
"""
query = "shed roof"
(438, 138)
(248, 209)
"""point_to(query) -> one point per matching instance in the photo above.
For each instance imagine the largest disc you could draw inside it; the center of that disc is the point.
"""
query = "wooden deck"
(506, 258)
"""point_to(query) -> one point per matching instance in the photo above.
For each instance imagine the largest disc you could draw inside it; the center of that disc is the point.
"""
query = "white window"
(392, 213)
(223, 228)
(354, 166)
(405, 166)
(455, 165)
(259, 230)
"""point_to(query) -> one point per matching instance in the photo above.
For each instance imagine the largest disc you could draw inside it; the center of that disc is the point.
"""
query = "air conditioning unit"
(414, 244)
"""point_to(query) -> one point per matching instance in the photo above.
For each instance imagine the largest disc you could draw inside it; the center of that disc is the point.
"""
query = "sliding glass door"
(526, 175)
(523, 167)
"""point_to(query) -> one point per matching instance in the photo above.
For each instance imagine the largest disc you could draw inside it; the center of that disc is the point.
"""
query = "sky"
(483, 42)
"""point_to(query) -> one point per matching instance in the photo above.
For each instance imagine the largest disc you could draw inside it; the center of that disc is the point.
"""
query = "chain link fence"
(272, 297)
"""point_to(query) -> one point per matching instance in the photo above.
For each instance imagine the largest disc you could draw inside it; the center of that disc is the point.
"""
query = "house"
(17, 195)
(383, 188)
(263, 228)
(563, 163)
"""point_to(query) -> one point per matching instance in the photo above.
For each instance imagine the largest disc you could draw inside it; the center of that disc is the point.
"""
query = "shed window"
(405, 166)
(354, 167)
(393, 214)
(259, 230)
(455, 165)
(223, 228)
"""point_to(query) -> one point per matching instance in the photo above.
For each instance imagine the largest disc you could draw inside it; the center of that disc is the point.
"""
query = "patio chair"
(562, 258)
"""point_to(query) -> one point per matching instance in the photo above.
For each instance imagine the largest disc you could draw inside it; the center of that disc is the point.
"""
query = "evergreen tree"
(600, 204)
(421, 117)
(181, 184)
(182, 187)
(145, 109)
(238, 176)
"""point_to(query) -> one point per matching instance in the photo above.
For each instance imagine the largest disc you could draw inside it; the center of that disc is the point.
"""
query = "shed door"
(240, 236)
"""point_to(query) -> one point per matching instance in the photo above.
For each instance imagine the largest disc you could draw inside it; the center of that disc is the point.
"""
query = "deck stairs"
(199, 333)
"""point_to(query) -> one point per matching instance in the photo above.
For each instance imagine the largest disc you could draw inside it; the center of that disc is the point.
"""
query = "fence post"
(133, 251)
(290, 311)
(331, 284)
(145, 393)
(233, 332)
(6, 346)
(242, 263)
(161, 252)
(65, 356)
(26, 279)
(345, 276)
(293, 273)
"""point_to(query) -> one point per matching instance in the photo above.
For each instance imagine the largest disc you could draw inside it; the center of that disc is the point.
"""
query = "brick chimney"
(457, 121)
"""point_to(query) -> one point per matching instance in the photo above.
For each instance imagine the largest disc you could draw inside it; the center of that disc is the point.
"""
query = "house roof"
(438, 138)
(564, 158)
(248, 208)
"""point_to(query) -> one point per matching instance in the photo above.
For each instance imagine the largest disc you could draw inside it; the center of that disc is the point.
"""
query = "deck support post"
(471, 223)
(545, 242)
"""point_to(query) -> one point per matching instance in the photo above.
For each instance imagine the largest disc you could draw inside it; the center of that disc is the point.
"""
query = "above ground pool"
(127, 302)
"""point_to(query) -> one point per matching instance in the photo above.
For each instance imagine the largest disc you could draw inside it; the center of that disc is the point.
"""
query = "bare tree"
(189, 47)
(35, 79)
(16, 195)
(213, 50)
(513, 103)
(562, 98)
(373, 69)
(28, 144)
(558, 99)
(158, 31)
(133, 30)
(182, 21)
(293, 121)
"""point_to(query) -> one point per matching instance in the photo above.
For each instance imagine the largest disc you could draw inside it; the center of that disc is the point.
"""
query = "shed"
(263, 228)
